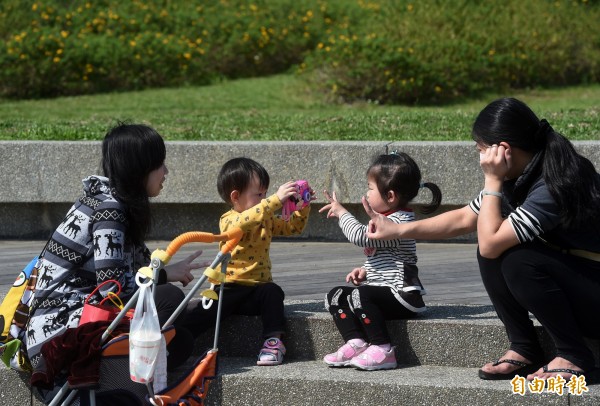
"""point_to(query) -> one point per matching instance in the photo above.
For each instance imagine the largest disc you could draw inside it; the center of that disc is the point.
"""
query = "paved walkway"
(307, 270)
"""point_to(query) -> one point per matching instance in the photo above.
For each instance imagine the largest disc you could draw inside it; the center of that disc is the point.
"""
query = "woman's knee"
(518, 265)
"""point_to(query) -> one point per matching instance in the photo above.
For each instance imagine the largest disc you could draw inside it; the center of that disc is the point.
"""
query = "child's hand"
(334, 207)
(286, 190)
(313, 194)
(357, 276)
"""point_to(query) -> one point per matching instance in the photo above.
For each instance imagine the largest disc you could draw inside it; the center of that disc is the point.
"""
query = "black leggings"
(361, 312)
(265, 300)
(562, 292)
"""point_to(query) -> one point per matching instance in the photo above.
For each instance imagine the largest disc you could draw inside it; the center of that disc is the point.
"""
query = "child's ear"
(391, 196)
(234, 196)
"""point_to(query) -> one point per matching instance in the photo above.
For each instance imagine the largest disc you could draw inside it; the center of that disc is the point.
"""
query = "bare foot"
(505, 367)
(556, 363)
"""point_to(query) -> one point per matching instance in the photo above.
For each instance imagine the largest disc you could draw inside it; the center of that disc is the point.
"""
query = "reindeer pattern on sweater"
(89, 247)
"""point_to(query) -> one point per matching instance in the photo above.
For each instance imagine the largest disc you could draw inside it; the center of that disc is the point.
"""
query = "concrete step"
(241, 382)
(445, 335)
(439, 352)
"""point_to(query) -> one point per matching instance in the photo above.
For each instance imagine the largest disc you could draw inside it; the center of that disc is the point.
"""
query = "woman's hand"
(357, 276)
(182, 271)
(335, 208)
(380, 227)
(286, 190)
(496, 161)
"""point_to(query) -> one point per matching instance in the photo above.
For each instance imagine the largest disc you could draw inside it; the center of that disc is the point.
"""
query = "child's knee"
(333, 297)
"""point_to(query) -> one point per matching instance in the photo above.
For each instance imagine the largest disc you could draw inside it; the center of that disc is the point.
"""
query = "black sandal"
(561, 370)
(523, 370)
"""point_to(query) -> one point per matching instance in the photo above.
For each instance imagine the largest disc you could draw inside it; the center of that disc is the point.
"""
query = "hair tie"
(421, 185)
(541, 135)
(394, 152)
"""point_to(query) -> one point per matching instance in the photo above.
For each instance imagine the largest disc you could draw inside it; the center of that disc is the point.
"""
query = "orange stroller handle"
(232, 237)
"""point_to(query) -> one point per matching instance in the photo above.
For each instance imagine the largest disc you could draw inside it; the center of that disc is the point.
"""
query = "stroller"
(192, 388)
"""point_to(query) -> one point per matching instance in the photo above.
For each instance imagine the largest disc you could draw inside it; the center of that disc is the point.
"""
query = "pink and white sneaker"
(375, 358)
(342, 357)
(272, 352)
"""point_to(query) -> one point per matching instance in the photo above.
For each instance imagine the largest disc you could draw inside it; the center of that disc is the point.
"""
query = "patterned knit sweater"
(89, 247)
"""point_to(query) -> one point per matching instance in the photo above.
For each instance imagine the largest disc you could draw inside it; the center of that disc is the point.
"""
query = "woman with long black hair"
(102, 238)
(538, 229)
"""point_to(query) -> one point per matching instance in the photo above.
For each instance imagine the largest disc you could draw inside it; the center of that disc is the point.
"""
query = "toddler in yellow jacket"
(249, 288)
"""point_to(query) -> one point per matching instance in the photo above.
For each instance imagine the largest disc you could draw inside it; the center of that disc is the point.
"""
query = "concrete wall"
(40, 180)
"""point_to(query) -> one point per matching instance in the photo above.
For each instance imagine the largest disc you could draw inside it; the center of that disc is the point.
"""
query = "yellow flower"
(56, 59)
(438, 89)
(34, 6)
(491, 52)
(132, 43)
(410, 7)
(187, 55)
(59, 51)
(64, 34)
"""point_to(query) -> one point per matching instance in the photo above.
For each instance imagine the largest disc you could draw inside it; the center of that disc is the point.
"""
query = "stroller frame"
(158, 260)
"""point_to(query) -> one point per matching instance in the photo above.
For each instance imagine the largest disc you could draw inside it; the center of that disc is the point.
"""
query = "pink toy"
(297, 201)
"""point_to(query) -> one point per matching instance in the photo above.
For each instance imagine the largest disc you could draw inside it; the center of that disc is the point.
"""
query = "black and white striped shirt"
(539, 215)
(389, 263)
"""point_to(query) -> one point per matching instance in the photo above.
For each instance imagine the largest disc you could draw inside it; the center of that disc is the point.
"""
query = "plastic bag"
(144, 337)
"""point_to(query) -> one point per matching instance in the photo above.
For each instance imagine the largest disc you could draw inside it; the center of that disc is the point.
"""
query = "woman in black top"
(538, 229)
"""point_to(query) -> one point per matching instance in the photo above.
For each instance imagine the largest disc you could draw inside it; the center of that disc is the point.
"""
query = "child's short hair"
(399, 172)
(237, 173)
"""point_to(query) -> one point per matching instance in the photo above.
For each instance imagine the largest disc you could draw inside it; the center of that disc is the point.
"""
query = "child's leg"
(198, 319)
(337, 303)
(266, 300)
(372, 306)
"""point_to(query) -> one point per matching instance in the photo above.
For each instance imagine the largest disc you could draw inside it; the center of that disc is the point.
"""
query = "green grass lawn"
(279, 108)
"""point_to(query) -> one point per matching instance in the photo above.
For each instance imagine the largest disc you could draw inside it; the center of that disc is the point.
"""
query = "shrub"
(61, 48)
(386, 51)
(435, 51)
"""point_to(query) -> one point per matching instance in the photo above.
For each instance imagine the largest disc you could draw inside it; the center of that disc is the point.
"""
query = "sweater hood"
(95, 184)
